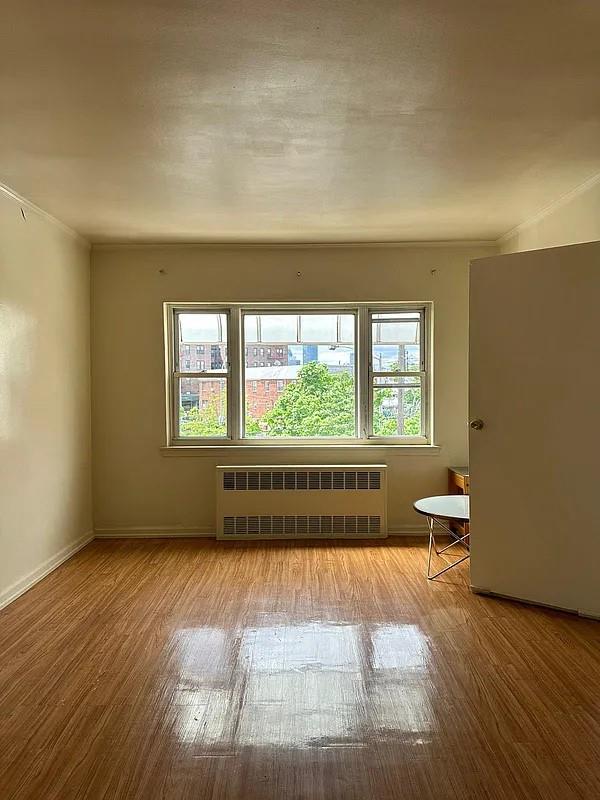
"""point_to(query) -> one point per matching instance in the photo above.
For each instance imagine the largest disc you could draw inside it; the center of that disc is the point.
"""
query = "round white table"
(440, 510)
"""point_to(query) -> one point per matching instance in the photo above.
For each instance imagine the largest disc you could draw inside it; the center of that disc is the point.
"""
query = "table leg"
(460, 540)
(430, 524)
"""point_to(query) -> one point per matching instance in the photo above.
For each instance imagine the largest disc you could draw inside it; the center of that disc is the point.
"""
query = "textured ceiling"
(318, 120)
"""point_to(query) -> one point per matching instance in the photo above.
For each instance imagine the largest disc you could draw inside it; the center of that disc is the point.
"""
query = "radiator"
(294, 502)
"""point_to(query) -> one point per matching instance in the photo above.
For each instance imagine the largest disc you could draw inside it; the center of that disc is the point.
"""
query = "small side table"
(443, 510)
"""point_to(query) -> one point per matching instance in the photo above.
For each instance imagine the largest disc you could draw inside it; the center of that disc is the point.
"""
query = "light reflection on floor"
(301, 685)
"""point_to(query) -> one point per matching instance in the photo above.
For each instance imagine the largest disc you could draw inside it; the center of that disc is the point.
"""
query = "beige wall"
(135, 486)
(574, 219)
(45, 460)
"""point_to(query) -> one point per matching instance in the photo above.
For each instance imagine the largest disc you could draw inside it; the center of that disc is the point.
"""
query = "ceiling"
(320, 120)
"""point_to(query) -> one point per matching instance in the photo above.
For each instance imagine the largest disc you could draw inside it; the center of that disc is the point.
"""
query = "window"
(199, 398)
(397, 373)
(349, 373)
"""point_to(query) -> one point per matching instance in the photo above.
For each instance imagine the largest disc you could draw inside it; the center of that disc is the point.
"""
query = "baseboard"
(589, 615)
(148, 532)
(49, 565)
(580, 612)
(408, 530)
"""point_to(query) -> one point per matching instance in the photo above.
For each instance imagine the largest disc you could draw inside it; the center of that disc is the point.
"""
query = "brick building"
(267, 355)
(265, 384)
(269, 369)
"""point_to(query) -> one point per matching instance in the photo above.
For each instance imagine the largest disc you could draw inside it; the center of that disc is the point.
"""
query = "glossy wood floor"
(192, 669)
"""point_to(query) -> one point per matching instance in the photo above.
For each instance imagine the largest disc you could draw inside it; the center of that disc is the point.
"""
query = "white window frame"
(174, 376)
(234, 372)
(422, 373)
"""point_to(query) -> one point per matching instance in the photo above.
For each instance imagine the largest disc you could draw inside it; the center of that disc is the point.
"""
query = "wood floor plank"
(176, 669)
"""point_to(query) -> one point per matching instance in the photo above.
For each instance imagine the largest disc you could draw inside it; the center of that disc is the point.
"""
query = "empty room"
(299, 347)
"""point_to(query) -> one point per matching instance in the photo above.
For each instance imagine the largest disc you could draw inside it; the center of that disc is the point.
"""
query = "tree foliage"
(318, 404)
(203, 422)
(386, 425)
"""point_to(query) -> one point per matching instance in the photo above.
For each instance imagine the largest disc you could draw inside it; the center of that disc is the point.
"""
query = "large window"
(349, 373)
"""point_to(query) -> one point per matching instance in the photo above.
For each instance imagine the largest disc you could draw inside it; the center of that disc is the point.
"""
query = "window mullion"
(364, 377)
(171, 332)
(234, 381)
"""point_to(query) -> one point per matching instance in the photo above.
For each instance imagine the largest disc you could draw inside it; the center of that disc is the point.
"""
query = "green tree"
(319, 403)
(204, 422)
(385, 424)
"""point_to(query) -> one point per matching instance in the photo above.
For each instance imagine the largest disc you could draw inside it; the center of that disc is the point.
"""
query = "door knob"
(476, 424)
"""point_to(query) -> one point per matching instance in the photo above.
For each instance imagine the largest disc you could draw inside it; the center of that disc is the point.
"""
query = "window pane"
(205, 327)
(202, 342)
(213, 359)
(396, 341)
(396, 358)
(301, 389)
(319, 327)
(202, 407)
(396, 332)
(397, 412)
(278, 327)
(251, 327)
(347, 327)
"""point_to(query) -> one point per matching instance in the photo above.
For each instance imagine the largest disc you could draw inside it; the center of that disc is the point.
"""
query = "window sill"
(210, 451)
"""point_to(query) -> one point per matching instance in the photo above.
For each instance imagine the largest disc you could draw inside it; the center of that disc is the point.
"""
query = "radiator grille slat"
(301, 480)
(302, 525)
(374, 480)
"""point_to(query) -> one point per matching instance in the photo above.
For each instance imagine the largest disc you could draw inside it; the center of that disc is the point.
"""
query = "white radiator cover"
(275, 501)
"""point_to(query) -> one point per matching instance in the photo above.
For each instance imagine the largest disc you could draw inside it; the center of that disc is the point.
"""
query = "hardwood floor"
(193, 669)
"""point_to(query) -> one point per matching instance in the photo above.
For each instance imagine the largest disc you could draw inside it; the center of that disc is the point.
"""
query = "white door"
(535, 463)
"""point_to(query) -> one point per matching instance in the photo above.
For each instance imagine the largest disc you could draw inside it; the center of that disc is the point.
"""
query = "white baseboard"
(579, 611)
(148, 532)
(588, 614)
(45, 568)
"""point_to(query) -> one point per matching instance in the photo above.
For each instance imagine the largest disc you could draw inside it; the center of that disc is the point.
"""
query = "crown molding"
(24, 202)
(555, 205)
(458, 243)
